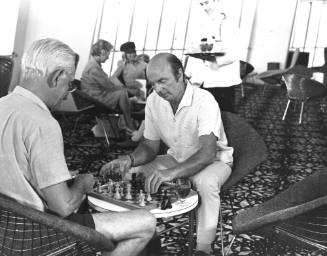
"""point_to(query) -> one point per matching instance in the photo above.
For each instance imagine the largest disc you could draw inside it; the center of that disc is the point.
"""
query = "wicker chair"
(26, 231)
(297, 216)
(6, 68)
(302, 89)
(249, 151)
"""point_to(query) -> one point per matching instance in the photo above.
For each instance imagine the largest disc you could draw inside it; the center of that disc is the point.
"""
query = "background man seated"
(129, 70)
(33, 167)
(187, 119)
(96, 83)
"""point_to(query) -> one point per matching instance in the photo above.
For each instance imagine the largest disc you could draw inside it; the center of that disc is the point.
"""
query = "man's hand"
(122, 165)
(86, 181)
(153, 182)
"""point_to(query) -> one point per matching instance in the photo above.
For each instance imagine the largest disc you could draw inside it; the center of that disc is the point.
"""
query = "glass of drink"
(183, 188)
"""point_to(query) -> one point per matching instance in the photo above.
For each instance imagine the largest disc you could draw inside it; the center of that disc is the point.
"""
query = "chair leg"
(221, 232)
(302, 105)
(288, 103)
(230, 245)
(242, 90)
(191, 232)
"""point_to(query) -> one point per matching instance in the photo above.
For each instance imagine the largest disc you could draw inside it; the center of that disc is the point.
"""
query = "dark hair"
(101, 45)
(175, 65)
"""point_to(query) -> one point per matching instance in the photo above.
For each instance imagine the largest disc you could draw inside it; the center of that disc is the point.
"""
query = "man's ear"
(180, 75)
(54, 77)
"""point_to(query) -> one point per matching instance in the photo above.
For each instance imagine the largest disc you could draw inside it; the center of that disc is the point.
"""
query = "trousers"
(207, 183)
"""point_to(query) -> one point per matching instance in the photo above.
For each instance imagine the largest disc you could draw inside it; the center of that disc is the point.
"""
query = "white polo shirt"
(31, 148)
(197, 114)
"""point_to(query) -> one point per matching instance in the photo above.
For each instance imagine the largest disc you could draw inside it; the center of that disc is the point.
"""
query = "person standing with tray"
(215, 63)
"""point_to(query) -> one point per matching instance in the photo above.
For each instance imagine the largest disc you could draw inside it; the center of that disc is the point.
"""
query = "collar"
(31, 96)
(187, 97)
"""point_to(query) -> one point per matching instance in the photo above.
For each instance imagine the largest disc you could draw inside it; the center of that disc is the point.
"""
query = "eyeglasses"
(72, 86)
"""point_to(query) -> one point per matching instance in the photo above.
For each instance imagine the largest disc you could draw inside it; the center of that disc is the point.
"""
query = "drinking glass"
(183, 188)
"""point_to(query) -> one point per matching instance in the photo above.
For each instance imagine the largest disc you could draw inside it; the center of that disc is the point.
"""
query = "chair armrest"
(255, 217)
(78, 231)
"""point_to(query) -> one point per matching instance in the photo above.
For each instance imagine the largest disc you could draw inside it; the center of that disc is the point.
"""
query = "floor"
(295, 151)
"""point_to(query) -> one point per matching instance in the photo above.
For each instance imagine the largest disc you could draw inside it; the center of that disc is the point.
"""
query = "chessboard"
(131, 195)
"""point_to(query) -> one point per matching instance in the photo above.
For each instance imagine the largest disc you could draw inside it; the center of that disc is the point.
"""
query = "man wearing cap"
(132, 68)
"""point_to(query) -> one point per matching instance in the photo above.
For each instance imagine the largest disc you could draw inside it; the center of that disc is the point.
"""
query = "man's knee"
(149, 221)
(207, 184)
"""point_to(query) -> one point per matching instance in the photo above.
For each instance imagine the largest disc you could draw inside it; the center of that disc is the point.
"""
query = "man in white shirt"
(220, 74)
(33, 169)
(187, 119)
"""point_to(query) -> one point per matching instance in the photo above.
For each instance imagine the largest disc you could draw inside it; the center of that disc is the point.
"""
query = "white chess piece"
(148, 198)
(117, 192)
(142, 198)
(128, 192)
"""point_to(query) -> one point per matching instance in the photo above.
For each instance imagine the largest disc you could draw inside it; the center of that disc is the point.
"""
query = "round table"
(178, 208)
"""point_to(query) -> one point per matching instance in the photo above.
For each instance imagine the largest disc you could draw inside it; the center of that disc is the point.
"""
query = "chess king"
(188, 120)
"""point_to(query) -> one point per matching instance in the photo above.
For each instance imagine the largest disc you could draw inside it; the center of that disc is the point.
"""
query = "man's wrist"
(132, 159)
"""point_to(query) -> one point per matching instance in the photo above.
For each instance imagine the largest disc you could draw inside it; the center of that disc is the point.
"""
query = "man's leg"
(132, 230)
(208, 183)
(125, 107)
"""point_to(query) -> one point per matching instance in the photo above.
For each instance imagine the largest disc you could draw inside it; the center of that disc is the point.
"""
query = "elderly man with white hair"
(33, 167)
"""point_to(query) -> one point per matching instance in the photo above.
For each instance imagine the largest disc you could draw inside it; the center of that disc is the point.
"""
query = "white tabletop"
(178, 208)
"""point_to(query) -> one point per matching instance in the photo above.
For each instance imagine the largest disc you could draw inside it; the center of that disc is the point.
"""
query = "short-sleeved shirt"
(198, 114)
(31, 148)
(133, 71)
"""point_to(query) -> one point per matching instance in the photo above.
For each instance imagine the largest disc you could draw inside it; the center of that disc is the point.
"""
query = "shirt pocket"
(189, 135)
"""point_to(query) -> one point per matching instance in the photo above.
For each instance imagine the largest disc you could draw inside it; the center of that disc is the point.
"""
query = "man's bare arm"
(146, 151)
(65, 200)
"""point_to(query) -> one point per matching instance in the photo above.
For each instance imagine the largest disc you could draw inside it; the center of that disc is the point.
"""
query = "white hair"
(45, 56)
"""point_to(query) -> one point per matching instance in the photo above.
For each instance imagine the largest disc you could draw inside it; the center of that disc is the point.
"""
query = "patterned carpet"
(295, 151)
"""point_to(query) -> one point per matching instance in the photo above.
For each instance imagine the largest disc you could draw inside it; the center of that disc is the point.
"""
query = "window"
(163, 25)
(309, 29)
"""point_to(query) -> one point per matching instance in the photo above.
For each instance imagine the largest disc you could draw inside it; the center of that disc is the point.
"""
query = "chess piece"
(148, 197)
(133, 181)
(142, 198)
(169, 206)
(164, 201)
(117, 192)
(128, 191)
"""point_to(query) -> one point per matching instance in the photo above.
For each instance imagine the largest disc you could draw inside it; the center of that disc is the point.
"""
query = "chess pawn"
(148, 197)
(99, 188)
(168, 205)
(121, 191)
(128, 191)
(142, 198)
(117, 192)
(110, 193)
(164, 201)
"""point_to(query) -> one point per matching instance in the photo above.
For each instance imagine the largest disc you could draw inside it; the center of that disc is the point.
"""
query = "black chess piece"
(133, 181)
(164, 201)
(169, 206)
